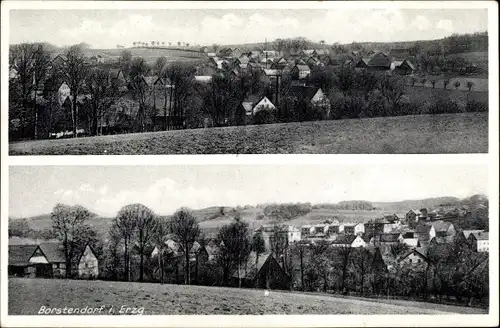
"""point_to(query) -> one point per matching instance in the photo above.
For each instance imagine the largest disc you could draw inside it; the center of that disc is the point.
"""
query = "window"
(419, 260)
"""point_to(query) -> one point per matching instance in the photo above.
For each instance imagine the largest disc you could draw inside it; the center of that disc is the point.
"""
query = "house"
(254, 104)
(348, 241)
(269, 53)
(441, 229)
(412, 216)
(307, 230)
(279, 64)
(300, 72)
(386, 239)
(271, 72)
(467, 233)
(308, 53)
(415, 258)
(403, 67)
(97, 59)
(312, 96)
(362, 63)
(411, 242)
(380, 61)
(203, 78)
(312, 61)
(47, 260)
(479, 241)
(87, 264)
(63, 92)
(261, 272)
(241, 60)
(353, 228)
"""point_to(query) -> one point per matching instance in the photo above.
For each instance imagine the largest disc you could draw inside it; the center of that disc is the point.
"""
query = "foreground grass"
(447, 133)
(26, 296)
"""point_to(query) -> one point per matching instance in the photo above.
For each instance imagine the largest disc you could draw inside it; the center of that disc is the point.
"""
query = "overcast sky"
(36, 189)
(106, 28)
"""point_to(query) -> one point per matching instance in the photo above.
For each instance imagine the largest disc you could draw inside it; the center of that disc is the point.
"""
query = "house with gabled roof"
(479, 241)
(308, 53)
(348, 241)
(300, 72)
(279, 64)
(254, 104)
(262, 271)
(380, 61)
(48, 260)
(415, 258)
(403, 67)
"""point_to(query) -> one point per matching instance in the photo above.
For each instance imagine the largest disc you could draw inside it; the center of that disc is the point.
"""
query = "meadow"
(27, 296)
(423, 134)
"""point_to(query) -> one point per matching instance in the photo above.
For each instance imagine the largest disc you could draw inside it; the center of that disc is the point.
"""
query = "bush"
(476, 106)
(265, 117)
(444, 106)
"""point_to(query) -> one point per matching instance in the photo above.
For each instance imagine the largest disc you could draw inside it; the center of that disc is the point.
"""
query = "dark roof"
(19, 255)
(53, 252)
(380, 59)
(302, 67)
(344, 240)
(441, 225)
(389, 237)
(304, 92)
(252, 268)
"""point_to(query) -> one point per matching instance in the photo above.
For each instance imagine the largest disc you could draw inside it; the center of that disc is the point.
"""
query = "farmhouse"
(353, 228)
(253, 104)
(48, 261)
(416, 258)
(280, 64)
(479, 241)
(261, 272)
(403, 67)
(311, 96)
(300, 72)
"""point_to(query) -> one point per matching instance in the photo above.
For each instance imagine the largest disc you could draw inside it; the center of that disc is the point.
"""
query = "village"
(389, 250)
(186, 87)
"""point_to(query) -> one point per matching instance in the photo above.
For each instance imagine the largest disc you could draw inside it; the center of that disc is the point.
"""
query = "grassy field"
(449, 133)
(26, 296)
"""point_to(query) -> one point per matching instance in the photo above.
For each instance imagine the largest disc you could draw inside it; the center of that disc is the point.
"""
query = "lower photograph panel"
(248, 239)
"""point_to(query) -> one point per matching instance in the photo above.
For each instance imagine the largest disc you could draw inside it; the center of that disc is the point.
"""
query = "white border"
(490, 159)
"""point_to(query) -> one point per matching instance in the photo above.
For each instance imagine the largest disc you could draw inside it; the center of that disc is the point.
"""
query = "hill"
(212, 218)
(421, 134)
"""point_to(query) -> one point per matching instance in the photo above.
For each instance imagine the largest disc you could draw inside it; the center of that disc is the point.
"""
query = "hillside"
(210, 219)
(156, 299)
(445, 133)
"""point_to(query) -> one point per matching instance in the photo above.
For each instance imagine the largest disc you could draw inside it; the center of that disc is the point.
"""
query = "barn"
(47, 260)
(266, 273)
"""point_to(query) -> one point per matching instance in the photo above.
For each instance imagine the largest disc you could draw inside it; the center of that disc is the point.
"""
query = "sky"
(107, 28)
(34, 190)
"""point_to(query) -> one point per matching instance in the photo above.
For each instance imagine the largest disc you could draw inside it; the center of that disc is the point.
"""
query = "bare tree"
(69, 225)
(433, 82)
(125, 224)
(159, 237)
(102, 95)
(185, 229)
(139, 88)
(74, 72)
(144, 227)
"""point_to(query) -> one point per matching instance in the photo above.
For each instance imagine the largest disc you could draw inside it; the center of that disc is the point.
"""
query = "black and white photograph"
(249, 164)
(269, 239)
(248, 81)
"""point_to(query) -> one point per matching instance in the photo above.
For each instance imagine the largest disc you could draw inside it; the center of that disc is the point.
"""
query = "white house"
(251, 107)
(348, 241)
(479, 241)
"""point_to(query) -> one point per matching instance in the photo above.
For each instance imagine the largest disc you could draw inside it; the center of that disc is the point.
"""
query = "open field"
(447, 133)
(26, 296)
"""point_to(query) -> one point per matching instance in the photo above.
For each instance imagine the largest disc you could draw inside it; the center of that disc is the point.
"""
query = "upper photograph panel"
(248, 81)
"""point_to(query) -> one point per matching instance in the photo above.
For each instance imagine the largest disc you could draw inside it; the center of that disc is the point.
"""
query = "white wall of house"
(483, 246)
(88, 265)
(358, 242)
(264, 103)
(359, 229)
